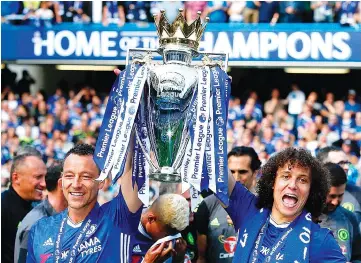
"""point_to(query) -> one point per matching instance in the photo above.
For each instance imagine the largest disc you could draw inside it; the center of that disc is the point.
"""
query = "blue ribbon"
(220, 135)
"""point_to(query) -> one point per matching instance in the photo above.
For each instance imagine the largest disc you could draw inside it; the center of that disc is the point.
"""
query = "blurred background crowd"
(54, 123)
(119, 12)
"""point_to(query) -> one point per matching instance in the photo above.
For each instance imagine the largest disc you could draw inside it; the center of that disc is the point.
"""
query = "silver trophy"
(169, 91)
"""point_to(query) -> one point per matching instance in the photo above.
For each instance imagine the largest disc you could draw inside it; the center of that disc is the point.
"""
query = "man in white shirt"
(295, 99)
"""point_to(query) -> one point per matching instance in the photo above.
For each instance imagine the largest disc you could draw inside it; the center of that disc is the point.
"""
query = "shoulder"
(211, 201)
(322, 240)
(32, 217)
(45, 224)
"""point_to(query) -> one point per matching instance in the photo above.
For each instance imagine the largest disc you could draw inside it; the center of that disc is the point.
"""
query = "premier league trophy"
(177, 111)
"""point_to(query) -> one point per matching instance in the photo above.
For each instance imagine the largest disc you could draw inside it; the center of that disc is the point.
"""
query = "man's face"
(339, 158)
(334, 197)
(30, 179)
(79, 186)
(240, 167)
(290, 191)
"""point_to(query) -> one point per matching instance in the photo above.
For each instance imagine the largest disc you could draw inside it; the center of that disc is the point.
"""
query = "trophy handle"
(146, 155)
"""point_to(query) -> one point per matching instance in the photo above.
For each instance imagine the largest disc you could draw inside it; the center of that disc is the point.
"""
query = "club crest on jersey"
(91, 230)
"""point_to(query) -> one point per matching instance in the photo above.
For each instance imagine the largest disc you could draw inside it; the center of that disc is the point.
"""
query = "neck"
(77, 215)
(20, 193)
(281, 219)
(57, 201)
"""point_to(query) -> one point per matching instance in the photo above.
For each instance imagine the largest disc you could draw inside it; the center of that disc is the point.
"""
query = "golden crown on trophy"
(180, 33)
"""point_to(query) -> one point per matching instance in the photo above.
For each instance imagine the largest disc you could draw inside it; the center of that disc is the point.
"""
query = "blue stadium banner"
(247, 45)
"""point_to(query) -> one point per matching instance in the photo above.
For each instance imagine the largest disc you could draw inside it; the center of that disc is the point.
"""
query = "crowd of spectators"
(121, 12)
(54, 124)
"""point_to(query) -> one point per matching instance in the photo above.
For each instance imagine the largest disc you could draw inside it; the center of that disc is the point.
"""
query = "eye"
(303, 180)
(68, 176)
(286, 176)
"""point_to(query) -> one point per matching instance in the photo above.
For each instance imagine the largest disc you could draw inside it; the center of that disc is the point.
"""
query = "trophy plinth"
(166, 176)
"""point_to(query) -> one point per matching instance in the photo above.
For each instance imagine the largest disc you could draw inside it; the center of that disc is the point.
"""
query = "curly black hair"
(295, 156)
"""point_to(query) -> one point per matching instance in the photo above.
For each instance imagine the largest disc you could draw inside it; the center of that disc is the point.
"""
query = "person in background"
(269, 12)
(341, 221)
(75, 11)
(235, 11)
(27, 183)
(351, 104)
(113, 13)
(291, 11)
(251, 12)
(322, 11)
(167, 216)
(216, 237)
(347, 12)
(216, 11)
(191, 9)
(54, 202)
(295, 99)
(352, 197)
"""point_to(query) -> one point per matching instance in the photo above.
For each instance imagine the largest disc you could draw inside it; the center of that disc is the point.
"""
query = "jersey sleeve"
(240, 203)
(330, 251)
(202, 218)
(356, 238)
(30, 258)
(118, 210)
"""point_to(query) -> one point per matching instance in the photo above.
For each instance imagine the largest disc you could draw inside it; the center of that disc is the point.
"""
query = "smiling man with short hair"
(85, 231)
(27, 177)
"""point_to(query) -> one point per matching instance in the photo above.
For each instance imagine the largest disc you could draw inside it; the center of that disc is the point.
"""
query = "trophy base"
(165, 177)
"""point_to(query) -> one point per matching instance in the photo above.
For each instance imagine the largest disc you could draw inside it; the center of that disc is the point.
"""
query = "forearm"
(129, 192)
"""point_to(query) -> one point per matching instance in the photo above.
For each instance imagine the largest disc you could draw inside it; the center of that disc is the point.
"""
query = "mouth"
(76, 194)
(290, 200)
(40, 191)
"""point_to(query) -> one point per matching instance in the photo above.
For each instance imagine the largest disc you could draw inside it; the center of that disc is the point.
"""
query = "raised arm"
(129, 193)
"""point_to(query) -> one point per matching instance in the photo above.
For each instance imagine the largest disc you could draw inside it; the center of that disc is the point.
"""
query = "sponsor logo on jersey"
(343, 234)
(44, 257)
(349, 206)
(229, 245)
(48, 242)
(91, 230)
(215, 222)
(88, 247)
(137, 249)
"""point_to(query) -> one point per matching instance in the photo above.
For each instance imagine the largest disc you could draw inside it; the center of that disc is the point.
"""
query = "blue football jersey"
(242, 207)
(107, 239)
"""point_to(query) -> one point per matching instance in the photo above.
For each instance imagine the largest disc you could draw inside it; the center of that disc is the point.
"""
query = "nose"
(335, 201)
(76, 181)
(292, 184)
(42, 183)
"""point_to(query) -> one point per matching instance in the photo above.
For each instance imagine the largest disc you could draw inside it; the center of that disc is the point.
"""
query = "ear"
(60, 184)
(15, 178)
(101, 184)
(151, 217)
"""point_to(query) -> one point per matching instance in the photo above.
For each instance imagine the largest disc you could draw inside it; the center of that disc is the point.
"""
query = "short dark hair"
(295, 156)
(19, 160)
(246, 151)
(337, 174)
(52, 176)
(81, 149)
(323, 153)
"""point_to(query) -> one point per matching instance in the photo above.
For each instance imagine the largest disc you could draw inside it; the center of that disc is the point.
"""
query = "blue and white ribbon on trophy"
(202, 162)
